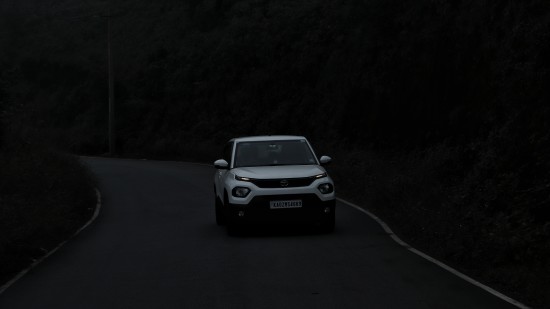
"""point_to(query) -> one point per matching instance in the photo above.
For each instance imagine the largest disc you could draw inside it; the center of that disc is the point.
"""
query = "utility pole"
(112, 133)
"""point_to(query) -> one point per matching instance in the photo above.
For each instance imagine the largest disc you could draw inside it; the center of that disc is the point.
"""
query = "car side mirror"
(325, 160)
(221, 164)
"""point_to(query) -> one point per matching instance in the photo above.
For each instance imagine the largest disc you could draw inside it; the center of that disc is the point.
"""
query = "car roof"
(267, 138)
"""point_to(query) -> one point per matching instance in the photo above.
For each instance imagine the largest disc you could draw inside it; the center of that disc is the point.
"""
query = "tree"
(3, 107)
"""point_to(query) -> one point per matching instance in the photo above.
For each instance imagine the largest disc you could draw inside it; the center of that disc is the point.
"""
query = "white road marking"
(384, 226)
(431, 259)
(35, 263)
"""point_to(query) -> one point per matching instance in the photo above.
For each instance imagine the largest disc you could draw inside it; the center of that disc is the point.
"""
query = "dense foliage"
(377, 73)
(442, 104)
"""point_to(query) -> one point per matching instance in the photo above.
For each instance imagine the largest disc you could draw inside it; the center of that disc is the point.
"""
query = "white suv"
(273, 179)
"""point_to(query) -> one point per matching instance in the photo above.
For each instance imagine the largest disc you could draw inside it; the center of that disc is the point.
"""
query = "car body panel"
(290, 171)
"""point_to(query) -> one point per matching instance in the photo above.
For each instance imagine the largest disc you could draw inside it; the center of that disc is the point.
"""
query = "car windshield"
(272, 153)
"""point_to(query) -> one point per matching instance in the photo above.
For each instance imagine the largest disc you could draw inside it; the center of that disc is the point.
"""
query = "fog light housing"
(240, 192)
(325, 188)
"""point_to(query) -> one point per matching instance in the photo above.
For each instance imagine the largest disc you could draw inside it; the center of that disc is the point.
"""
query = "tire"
(233, 229)
(220, 216)
(328, 225)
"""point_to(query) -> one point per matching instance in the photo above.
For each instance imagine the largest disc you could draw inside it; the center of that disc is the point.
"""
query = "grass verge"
(45, 197)
(453, 211)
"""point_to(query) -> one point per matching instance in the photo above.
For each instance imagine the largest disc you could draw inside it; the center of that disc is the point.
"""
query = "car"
(273, 180)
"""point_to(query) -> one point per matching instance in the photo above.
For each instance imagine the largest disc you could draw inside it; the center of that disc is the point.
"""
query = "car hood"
(277, 172)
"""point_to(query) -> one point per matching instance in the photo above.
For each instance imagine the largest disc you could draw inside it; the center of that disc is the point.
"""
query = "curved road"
(155, 245)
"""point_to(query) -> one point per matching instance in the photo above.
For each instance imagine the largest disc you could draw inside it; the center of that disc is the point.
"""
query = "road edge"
(22, 273)
(146, 159)
(389, 232)
(453, 271)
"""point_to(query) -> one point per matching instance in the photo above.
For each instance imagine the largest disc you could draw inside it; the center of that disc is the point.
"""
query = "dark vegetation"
(45, 197)
(435, 110)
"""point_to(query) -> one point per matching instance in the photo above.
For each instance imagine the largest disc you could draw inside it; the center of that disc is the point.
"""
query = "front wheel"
(220, 217)
(233, 229)
(328, 225)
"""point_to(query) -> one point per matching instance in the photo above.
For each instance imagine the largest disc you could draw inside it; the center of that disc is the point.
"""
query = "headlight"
(323, 175)
(325, 188)
(240, 191)
(237, 177)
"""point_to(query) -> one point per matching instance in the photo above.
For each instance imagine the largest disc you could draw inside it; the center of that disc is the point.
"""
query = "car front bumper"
(257, 211)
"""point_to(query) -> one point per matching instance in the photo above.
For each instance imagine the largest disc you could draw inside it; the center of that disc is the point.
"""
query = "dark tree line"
(386, 74)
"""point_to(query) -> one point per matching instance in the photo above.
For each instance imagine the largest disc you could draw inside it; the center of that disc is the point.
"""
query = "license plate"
(285, 204)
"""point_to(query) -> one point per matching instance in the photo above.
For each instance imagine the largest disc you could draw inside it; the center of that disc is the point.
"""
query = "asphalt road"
(155, 244)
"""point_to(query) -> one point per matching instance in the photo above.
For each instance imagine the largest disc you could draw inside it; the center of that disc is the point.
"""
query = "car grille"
(283, 182)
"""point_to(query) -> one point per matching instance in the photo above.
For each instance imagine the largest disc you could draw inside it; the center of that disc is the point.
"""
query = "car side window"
(227, 151)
